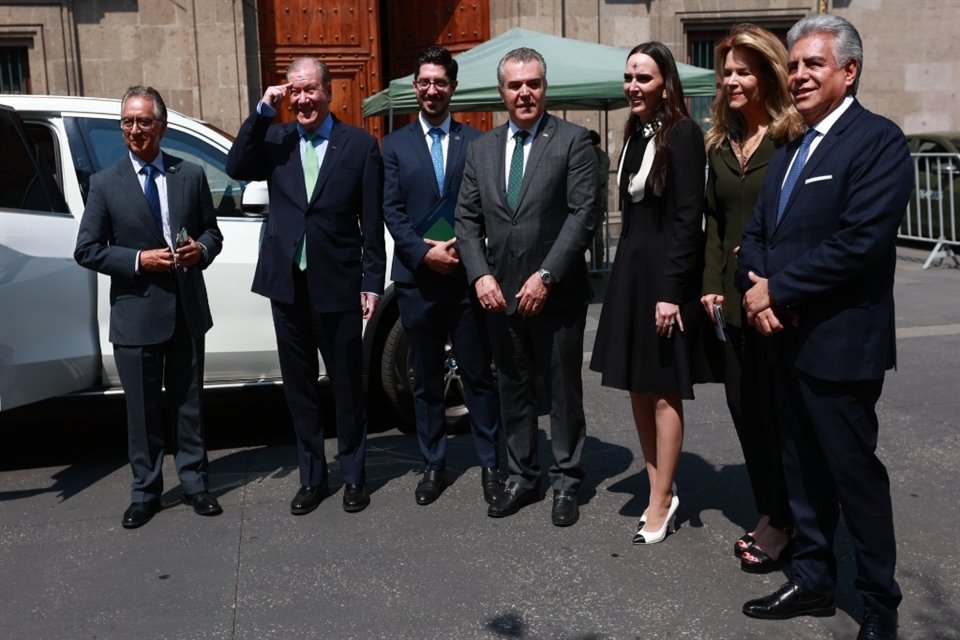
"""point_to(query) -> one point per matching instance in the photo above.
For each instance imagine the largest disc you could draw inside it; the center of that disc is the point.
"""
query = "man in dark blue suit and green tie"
(423, 166)
(321, 264)
(817, 264)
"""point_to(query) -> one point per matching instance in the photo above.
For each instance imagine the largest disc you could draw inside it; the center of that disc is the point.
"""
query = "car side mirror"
(255, 200)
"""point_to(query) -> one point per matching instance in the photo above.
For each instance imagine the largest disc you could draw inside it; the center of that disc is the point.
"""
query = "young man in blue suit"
(423, 166)
(525, 216)
(321, 264)
(817, 264)
(149, 224)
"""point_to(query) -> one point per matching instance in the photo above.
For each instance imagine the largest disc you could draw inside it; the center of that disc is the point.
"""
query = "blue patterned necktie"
(795, 170)
(516, 170)
(436, 154)
(152, 194)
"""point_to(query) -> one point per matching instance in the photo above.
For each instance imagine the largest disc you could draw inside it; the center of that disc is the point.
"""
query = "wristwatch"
(546, 277)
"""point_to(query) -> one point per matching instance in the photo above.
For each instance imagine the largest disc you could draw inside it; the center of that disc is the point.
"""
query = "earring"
(664, 95)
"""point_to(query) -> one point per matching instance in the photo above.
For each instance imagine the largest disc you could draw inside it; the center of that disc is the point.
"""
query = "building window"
(14, 70)
(701, 46)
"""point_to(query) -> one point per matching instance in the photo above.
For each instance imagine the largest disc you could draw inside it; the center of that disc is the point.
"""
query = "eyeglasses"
(145, 124)
(424, 84)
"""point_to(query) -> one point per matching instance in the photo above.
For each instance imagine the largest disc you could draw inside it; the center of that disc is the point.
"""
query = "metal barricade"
(933, 208)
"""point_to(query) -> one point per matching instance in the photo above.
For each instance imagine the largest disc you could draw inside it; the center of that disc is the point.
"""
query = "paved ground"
(397, 570)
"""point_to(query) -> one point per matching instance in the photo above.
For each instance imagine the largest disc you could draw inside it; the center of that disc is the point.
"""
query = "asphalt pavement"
(446, 571)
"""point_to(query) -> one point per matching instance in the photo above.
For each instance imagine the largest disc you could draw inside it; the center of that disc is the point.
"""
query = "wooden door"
(344, 34)
(411, 27)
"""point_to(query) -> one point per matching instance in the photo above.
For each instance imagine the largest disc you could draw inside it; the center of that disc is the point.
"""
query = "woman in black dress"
(654, 289)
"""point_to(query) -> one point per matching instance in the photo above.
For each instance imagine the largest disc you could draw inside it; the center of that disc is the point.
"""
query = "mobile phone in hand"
(182, 237)
(719, 326)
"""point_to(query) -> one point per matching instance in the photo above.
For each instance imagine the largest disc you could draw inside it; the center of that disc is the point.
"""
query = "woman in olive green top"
(750, 117)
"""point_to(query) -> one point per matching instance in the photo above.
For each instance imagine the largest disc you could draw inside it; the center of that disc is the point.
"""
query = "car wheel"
(397, 380)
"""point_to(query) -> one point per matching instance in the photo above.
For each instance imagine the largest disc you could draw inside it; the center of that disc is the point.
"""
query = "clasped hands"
(442, 257)
(758, 304)
(532, 295)
(159, 260)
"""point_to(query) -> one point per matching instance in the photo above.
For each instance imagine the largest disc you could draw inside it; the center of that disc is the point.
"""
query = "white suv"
(53, 337)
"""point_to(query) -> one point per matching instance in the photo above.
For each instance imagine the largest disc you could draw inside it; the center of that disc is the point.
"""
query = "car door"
(48, 328)
(241, 347)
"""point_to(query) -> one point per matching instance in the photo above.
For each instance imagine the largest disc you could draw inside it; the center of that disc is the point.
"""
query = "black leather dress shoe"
(492, 484)
(308, 499)
(789, 601)
(513, 498)
(430, 486)
(355, 498)
(203, 503)
(139, 513)
(566, 510)
(878, 626)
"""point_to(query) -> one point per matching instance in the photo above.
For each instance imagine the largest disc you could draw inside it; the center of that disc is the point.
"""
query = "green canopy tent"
(581, 75)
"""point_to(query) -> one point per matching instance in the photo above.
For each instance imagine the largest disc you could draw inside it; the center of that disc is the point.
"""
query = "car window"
(27, 183)
(101, 140)
(45, 139)
(225, 190)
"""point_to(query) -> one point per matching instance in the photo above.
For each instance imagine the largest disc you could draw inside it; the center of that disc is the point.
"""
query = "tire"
(396, 375)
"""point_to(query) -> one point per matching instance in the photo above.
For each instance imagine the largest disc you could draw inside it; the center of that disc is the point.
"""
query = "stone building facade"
(203, 54)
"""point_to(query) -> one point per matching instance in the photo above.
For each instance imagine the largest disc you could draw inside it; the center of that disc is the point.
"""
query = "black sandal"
(747, 540)
(763, 563)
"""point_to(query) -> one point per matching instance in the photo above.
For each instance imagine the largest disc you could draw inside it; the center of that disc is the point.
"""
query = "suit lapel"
(335, 146)
(174, 194)
(455, 152)
(421, 152)
(136, 202)
(820, 153)
(541, 139)
(501, 134)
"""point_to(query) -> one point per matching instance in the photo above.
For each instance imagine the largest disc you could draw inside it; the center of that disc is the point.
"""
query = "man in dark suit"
(423, 166)
(817, 263)
(525, 217)
(149, 224)
(321, 264)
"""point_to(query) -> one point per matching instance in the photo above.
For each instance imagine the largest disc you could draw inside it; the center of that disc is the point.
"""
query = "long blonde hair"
(785, 121)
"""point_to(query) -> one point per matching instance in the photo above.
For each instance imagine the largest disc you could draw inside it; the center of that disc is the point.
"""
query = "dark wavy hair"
(439, 56)
(671, 110)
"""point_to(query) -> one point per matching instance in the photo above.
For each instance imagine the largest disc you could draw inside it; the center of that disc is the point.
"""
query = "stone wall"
(193, 51)
(202, 54)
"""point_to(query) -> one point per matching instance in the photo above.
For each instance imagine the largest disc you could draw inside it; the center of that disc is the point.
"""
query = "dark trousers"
(428, 317)
(145, 370)
(548, 345)
(829, 440)
(749, 388)
(337, 336)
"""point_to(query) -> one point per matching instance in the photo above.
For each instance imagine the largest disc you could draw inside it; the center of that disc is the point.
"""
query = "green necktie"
(311, 169)
(516, 170)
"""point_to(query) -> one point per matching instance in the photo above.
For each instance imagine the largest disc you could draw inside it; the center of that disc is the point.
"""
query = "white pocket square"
(817, 179)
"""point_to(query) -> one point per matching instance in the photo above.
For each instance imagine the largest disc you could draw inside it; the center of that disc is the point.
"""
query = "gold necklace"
(744, 150)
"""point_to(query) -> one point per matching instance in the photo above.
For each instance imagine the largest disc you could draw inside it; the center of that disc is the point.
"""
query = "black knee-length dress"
(659, 258)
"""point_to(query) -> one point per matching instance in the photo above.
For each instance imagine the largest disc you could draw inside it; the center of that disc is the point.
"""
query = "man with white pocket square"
(817, 265)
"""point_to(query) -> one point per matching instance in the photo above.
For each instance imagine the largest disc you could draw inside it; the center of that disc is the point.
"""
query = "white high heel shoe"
(643, 516)
(652, 537)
